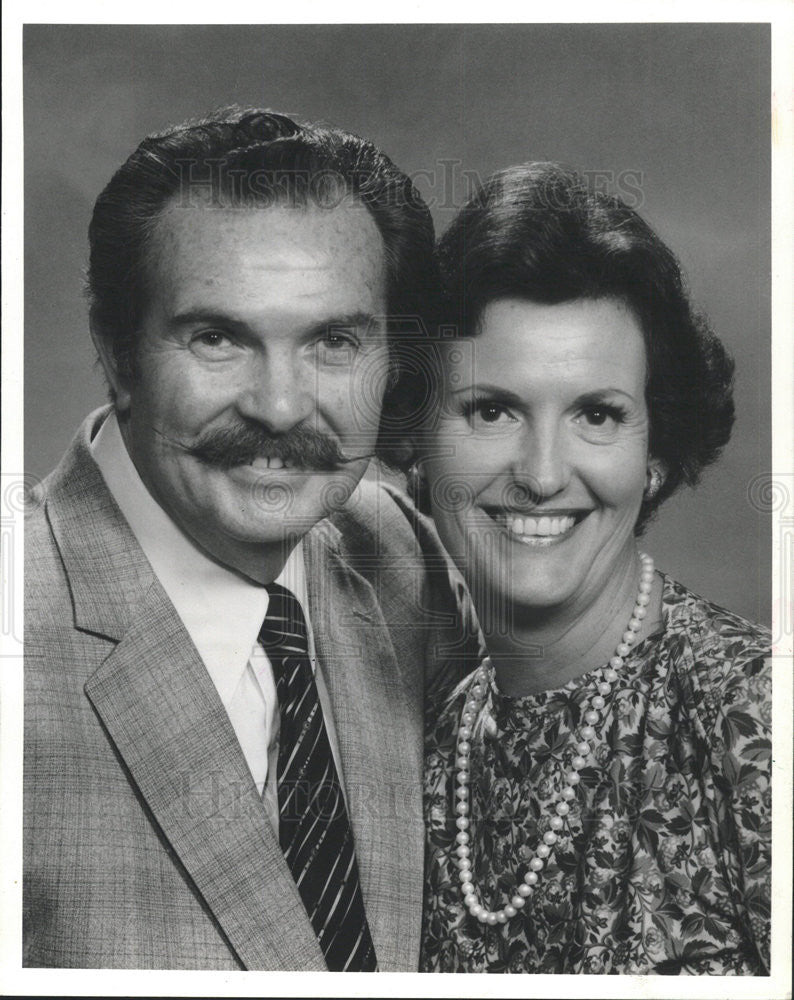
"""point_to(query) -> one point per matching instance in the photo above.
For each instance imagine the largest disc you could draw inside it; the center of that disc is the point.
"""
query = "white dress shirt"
(221, 610)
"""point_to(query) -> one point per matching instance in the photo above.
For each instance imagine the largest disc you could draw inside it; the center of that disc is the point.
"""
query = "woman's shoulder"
(721, 657)
(711, 631)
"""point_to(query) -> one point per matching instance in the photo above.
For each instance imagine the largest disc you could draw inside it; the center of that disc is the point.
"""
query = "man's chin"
(254, 472)
(276, 506)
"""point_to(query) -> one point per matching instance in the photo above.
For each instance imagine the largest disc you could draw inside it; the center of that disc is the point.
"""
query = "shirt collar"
(221, 610)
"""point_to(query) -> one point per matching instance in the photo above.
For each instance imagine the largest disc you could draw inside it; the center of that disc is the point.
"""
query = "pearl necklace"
(593, 705)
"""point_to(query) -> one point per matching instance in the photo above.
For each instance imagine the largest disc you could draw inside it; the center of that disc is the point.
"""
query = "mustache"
(241, 444)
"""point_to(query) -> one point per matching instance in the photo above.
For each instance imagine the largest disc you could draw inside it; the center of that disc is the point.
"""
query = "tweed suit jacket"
(146, 844)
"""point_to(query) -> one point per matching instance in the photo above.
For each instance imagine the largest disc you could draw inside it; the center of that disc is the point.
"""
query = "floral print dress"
(667, 867)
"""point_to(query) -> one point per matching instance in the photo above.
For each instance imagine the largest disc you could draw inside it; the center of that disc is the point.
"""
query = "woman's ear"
(655, 477)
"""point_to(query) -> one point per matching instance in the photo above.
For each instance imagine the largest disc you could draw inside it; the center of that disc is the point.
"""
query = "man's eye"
(213, 345)
(338, 338)
(211, 338)
(337, 347)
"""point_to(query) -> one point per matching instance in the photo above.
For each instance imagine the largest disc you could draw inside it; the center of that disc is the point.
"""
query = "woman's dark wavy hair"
(256, 157)
(536, 232)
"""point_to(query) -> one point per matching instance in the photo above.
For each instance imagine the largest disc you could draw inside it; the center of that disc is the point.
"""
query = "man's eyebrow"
(193, 316)
(357, 319)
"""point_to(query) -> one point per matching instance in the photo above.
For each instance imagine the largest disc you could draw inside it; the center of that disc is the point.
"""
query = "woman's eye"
(488, 412)
(597, 415)
(601, 418)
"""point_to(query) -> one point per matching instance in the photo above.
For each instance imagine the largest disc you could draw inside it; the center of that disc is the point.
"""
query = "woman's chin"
(532, 571)
(509, 585)
(535, 597)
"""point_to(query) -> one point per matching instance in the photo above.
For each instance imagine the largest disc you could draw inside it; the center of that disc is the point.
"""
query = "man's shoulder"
(47, 591)
(380, 518)
(389, 541)
(70, 484)
(67, 515)
(38, 534)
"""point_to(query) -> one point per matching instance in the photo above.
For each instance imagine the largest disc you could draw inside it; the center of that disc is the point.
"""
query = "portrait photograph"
(397, 503)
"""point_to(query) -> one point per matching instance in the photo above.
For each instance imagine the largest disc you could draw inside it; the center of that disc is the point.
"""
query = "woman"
(597, 794)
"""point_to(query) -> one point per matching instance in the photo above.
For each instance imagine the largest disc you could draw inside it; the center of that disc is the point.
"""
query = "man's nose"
(278, 392)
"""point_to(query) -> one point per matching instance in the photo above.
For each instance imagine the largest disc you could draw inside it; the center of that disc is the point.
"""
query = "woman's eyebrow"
(602, 395)
(491, 391)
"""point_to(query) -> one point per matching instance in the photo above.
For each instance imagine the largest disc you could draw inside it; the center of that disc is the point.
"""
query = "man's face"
(261, 366)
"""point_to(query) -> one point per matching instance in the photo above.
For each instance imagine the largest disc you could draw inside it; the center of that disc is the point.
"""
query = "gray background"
(684, 108)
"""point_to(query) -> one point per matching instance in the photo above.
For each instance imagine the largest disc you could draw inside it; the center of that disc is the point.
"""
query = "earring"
(417, 488)
(654, 483)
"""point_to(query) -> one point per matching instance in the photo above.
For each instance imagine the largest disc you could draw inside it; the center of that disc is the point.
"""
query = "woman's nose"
(540, 463)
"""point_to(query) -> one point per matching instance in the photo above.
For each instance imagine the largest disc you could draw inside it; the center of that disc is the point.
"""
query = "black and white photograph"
(397, 505)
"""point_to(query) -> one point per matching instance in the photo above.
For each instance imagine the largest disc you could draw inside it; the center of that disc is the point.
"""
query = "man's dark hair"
(257, 157)
(537, 232)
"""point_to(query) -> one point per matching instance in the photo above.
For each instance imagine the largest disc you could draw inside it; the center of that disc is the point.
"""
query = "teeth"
(538, 526)
(271, 462)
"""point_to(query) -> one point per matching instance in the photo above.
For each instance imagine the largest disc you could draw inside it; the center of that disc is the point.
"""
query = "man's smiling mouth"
(266, 462)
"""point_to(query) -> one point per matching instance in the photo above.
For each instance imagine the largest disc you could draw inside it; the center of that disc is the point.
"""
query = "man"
(226, 632)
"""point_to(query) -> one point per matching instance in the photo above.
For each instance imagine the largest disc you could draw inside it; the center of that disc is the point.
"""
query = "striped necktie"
(314, 829)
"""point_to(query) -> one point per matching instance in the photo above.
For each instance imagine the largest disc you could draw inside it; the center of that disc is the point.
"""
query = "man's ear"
(121, 394)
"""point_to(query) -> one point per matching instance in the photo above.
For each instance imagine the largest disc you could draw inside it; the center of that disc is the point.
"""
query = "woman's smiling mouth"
(537, 528)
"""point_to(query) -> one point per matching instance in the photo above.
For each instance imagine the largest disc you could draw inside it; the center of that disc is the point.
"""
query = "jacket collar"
(379, 729)
(108, 573)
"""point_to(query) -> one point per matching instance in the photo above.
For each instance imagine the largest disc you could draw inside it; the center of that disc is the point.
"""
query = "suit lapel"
(380, 742)
(163, 714)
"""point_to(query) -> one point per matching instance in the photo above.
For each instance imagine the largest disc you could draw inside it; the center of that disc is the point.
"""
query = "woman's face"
(538, 461)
